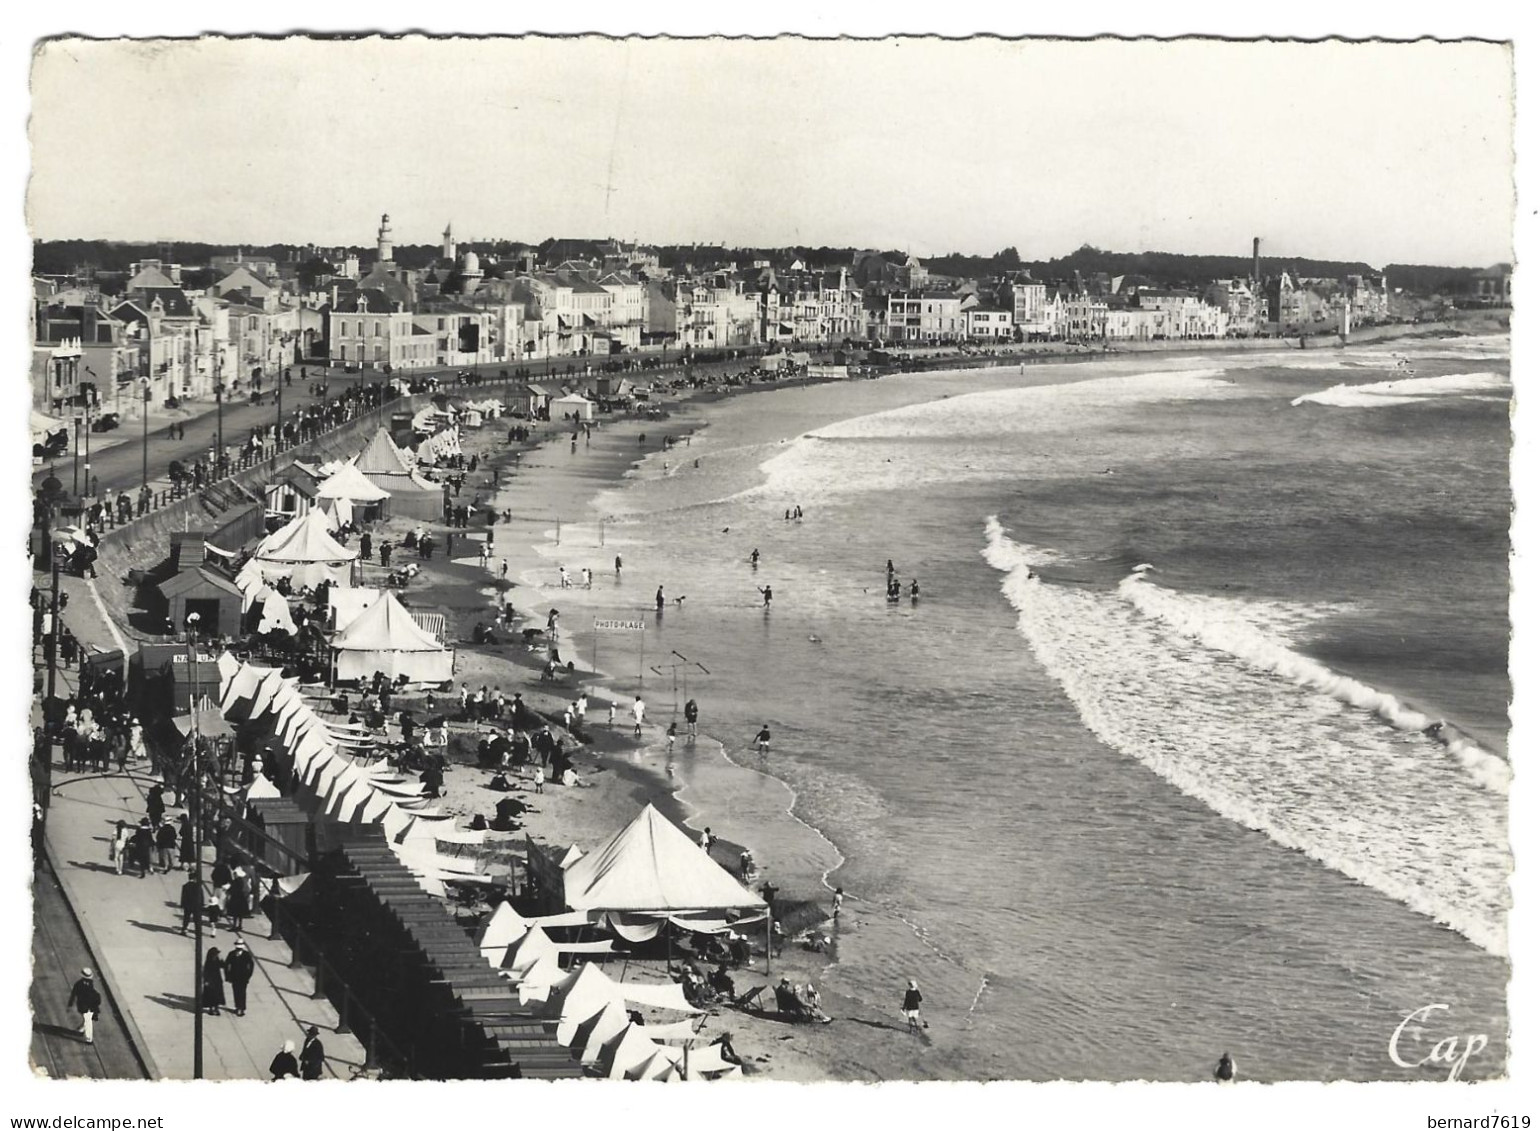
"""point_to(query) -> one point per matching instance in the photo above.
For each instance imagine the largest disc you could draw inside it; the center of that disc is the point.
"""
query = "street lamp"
(219, 416)
(144, 416)
(195, 811)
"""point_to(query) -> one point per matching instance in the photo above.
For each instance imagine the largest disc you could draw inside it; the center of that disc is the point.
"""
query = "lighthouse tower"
(449, 243)
(387, 247)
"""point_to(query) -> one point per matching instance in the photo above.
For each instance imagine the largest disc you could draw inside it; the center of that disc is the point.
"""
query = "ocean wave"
(1408, 390)
(1231, 634)
(1273, 755)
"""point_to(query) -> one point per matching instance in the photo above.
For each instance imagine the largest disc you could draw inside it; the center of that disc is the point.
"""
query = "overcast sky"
(1375, 152)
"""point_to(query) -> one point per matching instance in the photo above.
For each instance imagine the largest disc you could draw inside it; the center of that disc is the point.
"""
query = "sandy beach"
(539, 484)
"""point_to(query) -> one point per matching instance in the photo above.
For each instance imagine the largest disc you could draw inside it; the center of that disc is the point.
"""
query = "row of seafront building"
(172, 331)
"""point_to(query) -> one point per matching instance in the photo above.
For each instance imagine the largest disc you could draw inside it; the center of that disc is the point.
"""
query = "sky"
(1370, 152)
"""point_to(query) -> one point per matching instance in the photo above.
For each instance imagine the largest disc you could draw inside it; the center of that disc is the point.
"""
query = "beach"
(936, 758)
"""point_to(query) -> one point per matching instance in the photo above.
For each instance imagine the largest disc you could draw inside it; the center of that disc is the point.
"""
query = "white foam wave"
(1201, 621)
(1408, 390)
(1283, 758)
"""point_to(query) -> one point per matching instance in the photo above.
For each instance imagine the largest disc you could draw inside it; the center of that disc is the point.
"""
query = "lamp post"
(144, 418)
(75, 461)
(219, 417)
(195, 809)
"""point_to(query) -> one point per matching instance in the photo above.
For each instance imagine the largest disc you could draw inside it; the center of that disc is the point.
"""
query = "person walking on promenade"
(365, 546)
(119, 848)
(312, 1055)
(85, 998)
(503, 572)
(485, 554)
(220, 877)
(213, 982)
(192, 900)
(638, 712)
(184, 850)
(284, 1063)
(659, 601)
(165, 844)
(155, 804)
(238, 904)
(1224, 1071)
(617, 565)
(142, 847)
(912, 1000)
(691, 716)
(239, 967)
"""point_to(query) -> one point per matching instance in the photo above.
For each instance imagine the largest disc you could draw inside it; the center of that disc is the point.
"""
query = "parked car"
(106, 422)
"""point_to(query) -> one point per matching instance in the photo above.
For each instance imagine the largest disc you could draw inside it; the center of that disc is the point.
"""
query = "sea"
(1194, 741)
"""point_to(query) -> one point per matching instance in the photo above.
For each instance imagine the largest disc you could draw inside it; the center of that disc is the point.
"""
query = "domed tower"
(470, 273)
(387, 246)
(449, 243)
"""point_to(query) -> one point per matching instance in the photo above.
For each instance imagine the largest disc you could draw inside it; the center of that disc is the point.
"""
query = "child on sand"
(638, 710)
(912, 1001)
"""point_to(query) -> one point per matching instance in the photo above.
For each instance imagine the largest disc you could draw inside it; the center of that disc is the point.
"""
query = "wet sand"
(618, 773)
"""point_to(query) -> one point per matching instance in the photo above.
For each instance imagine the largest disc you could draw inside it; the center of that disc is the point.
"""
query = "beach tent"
(383, 464)
(348, 494)
(627, 1052)
(575, 405)
(503, 929)
(385, 638)
(276, 616)
(345, 605)
(661, 1065)
(305, 552)
(593, 1033)
(651, 866)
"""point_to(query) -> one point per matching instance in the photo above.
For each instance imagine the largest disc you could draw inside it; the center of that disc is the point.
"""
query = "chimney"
(1256, 259)
(187, 549)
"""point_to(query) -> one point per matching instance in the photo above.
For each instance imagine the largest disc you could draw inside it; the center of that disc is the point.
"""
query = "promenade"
(144, 964)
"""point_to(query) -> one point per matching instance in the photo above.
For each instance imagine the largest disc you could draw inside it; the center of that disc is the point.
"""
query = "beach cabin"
(575, 405)
(290, 495)
(195, 587)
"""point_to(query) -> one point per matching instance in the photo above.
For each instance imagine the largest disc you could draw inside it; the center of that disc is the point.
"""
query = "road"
(120, 467)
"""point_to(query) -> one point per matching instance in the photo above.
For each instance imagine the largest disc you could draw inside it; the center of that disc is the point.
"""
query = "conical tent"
(650, 865)
(385, 638)
(305, 552)
(380, 456)
(352, 484)
(382, 464)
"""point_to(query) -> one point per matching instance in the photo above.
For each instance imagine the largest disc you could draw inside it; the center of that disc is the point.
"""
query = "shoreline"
(557, 519)
(618, 773)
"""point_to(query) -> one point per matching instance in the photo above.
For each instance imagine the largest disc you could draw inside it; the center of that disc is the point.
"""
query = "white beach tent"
(275, 615)
(305, 552)
(385, 638)
(575, 404)
(345, 605)
(348, 493)
(384, 465)
(653, 867)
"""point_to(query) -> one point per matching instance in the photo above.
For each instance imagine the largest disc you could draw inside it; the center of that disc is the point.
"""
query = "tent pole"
(668, 946)
(769, 941)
